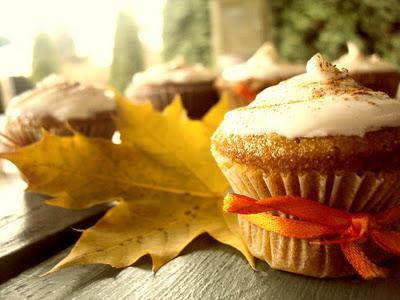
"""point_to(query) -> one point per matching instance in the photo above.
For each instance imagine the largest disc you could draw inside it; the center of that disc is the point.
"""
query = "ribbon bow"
(244, 91)
(320, 221)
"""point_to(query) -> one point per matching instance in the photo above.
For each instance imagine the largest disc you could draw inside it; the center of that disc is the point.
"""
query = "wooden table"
(34, 237)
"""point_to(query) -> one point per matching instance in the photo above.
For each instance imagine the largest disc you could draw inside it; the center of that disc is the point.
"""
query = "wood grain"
(31, 231)
(206, 270)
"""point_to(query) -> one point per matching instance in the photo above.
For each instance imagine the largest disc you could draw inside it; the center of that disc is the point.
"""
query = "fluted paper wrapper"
(96, 128)
(387, 82)
(367, 192)
(197, 98)
(25, 131)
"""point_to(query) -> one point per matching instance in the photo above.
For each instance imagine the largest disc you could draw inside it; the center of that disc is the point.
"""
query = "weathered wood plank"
(207, 270)
(31, 231)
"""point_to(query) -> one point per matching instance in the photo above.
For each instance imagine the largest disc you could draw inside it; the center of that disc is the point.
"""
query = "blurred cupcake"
(54, 103)
(243, 81)
(371, 71)
(319, 135)
(160, 84)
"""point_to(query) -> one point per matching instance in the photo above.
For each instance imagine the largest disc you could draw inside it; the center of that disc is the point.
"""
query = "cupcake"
(160, 84)
(319, 135)
(371, 71)
(53, 104)
(264, 69)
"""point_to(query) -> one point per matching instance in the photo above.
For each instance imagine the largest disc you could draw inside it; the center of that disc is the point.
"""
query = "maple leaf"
(168, 187)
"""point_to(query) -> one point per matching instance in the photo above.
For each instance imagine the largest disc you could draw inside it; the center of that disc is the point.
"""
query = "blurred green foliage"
(3, 41)
(128, 52)
(45, 60)
(304, 27)
(187, 31)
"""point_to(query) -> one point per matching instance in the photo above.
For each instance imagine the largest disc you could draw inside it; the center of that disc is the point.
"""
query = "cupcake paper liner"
(367, 192)
(387, 82)
(103, 128)
(197, 98)
(23, 130)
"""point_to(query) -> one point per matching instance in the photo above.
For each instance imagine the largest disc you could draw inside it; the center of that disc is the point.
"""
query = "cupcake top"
(355, 61)
(62, 100)
(176, 71)
(265, 64)
(322, 102)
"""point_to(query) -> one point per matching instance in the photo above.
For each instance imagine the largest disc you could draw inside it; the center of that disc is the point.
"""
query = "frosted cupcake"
(265, 68)
(319, 135)
(160, 84)
(55, 102)
(370, 70)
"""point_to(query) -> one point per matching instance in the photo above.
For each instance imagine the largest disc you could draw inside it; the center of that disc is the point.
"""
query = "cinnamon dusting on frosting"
(321, 69)
(324, 101)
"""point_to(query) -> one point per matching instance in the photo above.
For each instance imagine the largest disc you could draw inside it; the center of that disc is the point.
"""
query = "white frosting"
(264, 64)
(62, 100)
(321, 102)
(175, 71)
(355, 61)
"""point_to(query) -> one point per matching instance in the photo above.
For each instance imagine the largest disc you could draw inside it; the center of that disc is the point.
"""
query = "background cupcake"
(54, 103)
(319, 135)
(370, 70)
(243, 81)
(160, 84)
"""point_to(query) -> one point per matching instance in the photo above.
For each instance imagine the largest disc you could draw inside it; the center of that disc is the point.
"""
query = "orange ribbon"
(320, 221)
(245, 92)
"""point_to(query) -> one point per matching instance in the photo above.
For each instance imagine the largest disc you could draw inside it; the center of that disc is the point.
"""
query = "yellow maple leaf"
(168, 187)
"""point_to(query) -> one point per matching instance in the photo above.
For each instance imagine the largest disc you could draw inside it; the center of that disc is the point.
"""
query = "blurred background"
(107, 41)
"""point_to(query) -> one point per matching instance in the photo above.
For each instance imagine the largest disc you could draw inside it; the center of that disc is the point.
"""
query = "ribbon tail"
(361, 263)
(388, 216)
(245, 92)
(387, 240)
